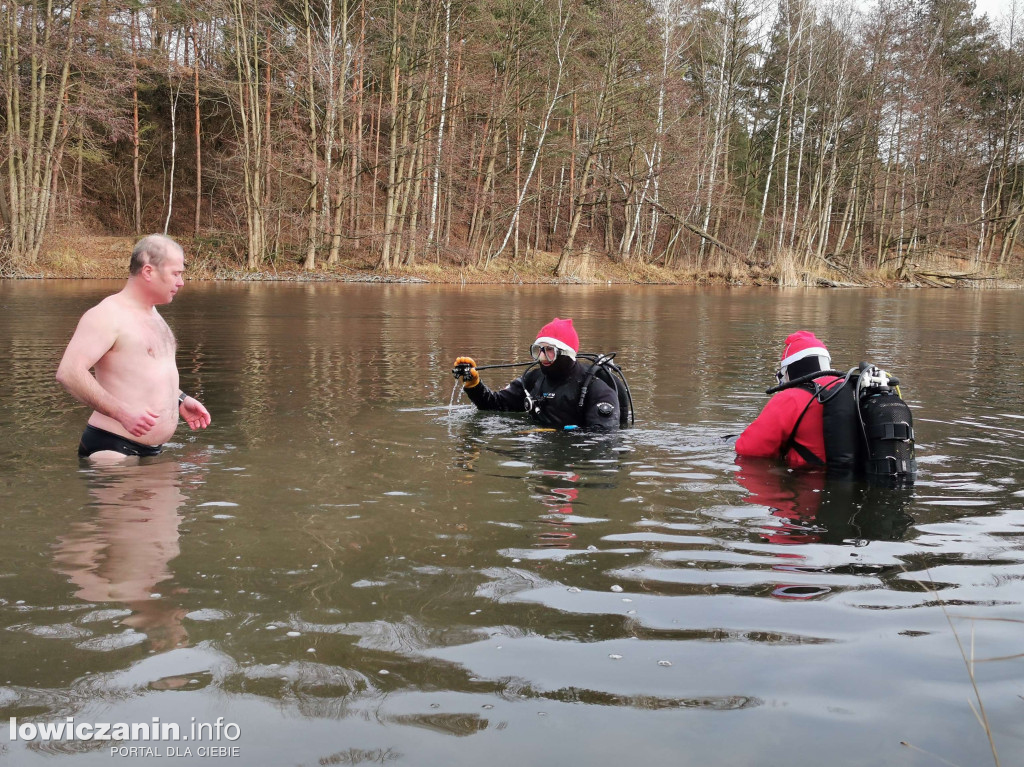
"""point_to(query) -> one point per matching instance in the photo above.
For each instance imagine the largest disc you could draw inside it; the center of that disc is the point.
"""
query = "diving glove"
(465, 368)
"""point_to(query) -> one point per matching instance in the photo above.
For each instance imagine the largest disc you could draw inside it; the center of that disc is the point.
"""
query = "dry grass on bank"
(75, 256)
(83, 257)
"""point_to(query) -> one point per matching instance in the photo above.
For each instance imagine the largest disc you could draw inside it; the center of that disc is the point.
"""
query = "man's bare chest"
(147, 338)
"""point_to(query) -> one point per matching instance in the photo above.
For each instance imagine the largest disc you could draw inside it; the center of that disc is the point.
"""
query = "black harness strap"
(802, 450)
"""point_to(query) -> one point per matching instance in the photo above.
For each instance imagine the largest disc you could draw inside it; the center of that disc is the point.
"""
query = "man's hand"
(195, 415)
(465, 368)
(139, 424)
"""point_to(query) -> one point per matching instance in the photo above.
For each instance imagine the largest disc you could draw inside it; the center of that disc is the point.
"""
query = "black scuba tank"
(887, 426)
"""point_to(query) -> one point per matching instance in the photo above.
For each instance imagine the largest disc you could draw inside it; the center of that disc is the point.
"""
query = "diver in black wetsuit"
(550, 392)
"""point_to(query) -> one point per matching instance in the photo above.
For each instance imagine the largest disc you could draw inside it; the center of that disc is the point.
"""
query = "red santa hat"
(803, 344)
(560, 334)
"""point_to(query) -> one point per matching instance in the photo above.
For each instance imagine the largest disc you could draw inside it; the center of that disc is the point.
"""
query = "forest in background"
(786, 136)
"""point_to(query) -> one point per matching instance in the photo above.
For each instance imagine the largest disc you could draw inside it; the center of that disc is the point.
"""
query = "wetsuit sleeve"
(601, 406)
(769, 432)
(512, 398)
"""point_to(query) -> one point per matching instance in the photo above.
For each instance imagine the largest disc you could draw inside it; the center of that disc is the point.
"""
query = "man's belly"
(148, 385)
(162, 430)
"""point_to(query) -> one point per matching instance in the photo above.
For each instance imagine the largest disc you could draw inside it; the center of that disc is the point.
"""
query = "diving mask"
(544, 352)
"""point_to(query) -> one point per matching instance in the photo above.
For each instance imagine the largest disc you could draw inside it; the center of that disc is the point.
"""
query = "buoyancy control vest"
(602, 366)
(593, 366)
(868, 428)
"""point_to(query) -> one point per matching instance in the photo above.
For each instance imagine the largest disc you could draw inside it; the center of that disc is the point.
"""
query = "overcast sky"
(994, 8)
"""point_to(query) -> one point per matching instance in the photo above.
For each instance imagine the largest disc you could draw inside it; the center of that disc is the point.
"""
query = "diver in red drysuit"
(790, 426)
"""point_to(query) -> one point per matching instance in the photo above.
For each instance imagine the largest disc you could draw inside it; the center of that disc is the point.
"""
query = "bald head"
(152, 249)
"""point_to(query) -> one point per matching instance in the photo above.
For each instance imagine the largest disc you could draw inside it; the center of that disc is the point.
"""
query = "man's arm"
(510, 399)
(94, 337)
(765, 437)
(601, 408)
(193, 411)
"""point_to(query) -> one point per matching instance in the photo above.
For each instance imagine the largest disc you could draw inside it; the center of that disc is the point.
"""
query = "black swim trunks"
(94, 440)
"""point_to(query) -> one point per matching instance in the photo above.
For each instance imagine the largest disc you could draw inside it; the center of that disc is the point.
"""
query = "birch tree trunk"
(791, 37)
(596, 137)
(198, 131)
(562, 43)
(337, 96)
(35, 133)
(436, 183)
(174, 95)
(136, 180)
(391, 201)
(249, 110)
(718, 129)
(313, 195)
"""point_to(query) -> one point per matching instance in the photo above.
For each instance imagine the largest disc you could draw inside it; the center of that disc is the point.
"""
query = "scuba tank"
(868, 428)
(887, 425)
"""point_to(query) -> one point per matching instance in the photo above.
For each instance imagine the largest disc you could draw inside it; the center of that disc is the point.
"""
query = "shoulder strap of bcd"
(791, 444)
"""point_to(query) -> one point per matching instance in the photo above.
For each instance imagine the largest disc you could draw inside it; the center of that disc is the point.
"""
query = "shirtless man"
(134, 394)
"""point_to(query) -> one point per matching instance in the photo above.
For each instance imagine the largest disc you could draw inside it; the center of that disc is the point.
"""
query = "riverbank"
(99, 257)
(106, 257)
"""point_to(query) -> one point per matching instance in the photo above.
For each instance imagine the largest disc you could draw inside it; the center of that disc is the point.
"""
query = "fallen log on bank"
(704, 235)
(948, 279)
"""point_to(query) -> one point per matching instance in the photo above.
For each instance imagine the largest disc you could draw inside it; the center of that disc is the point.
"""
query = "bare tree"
(34, 111)
(247, 29)
(562, 39)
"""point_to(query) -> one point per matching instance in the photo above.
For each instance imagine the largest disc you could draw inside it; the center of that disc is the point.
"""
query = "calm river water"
(349, 571)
